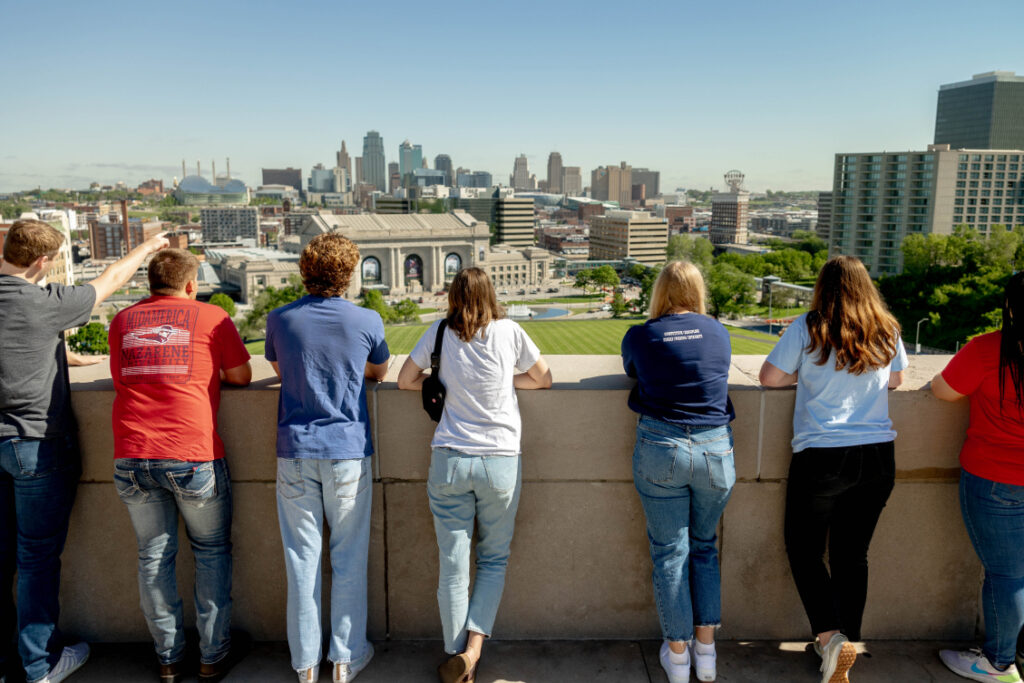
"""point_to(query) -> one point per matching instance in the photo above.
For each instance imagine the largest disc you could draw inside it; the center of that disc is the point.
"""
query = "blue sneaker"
(973, 664)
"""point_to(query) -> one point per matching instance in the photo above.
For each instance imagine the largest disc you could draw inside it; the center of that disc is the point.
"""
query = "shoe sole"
(847, 656)
(454, 669)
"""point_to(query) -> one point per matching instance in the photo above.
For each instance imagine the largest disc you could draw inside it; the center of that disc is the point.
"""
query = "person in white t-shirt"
(475, 471)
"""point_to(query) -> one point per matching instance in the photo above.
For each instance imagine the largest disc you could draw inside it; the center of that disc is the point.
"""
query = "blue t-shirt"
(322, 346)
(682, 364)
(834, 408)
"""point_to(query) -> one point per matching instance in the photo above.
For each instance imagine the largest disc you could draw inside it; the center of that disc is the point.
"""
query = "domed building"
(196, 190)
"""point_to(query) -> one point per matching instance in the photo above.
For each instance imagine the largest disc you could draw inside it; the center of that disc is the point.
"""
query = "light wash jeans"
(154, 491)
(38, 479)
(994, 516)
(684, 476)
(309, 489)
(462, 488)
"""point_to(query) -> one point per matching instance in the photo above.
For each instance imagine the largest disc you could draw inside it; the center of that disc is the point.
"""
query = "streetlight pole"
(771, 290)
(917, 337)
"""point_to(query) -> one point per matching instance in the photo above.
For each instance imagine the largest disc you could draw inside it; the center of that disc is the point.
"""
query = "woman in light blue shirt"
(844, 355)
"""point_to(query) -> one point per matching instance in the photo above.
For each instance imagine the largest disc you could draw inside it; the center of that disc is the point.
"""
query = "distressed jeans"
(684, 476)
(464, 490)
(155, 492)
(38, 480)
(308, 491)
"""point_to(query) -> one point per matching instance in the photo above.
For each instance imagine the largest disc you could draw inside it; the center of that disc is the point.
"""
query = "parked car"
(521, 291)
(504, 292)
(552, 290)
(606, 307)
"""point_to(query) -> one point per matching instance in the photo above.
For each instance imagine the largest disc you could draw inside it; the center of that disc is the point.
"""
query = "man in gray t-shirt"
(39, 461)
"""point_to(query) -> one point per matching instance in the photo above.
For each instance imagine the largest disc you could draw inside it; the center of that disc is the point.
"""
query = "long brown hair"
(472, 304)
(849, 316)
(679, 285)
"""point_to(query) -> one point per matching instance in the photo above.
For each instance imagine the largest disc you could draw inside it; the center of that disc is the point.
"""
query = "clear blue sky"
(112, 91)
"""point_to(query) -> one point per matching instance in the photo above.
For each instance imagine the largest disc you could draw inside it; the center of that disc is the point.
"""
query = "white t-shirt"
(481, 412)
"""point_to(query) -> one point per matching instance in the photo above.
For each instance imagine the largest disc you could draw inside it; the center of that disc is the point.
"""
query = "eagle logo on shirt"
(160, 335)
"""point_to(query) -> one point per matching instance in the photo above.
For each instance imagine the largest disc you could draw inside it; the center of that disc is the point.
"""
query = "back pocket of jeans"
(351, 477)
(195, 484)
(289, 478)
(721, 469)
(128, 486)
(653, 460)
(502, 472)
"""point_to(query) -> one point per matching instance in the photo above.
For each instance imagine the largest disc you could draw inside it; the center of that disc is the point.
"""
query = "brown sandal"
(455, 670)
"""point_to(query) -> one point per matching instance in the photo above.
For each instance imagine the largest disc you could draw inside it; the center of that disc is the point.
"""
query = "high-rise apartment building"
(879, 198)
(514, 217)
(572, 181)
(229, 223)
(443, 162)
(107, 238)
(613, 184)
(410, 156)
(824, 215)
(651, 180)
(520, 178)
(730, 212)
(373, 161)
(555, 173)
(292, 177)
(986, 112)
(345, 162)
(636, 234)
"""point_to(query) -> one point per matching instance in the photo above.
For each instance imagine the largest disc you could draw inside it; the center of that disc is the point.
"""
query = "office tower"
(342, 180)
(359, 170)
(651, 180)
(515, 222)
(986, 112)
(292, 177)
(443, 162)
(373, 161)
(410, 156)
(321, 179)
(474, 179)
(572, 181)
(555, 173)
(394, 177)
(730, 212)
(229, 224)
(636, 234)
(824, 215)
(613, 184)
(879, 198)
(520, 178)
(345, 162)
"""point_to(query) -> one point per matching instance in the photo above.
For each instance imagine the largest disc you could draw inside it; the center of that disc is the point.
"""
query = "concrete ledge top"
(600, 373)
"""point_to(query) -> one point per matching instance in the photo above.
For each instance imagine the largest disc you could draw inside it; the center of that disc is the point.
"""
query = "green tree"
(697, 250)
(730, 290)
(224, 301)
(646, 276)
(12, 210)
(405, 311)
(263, 201)
(374, 300)
(91, 338)
(255, 324)
(584, 280)
(604, 276)
(618, 305)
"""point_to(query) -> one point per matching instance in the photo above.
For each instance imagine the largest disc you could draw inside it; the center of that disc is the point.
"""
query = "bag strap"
(435, 357)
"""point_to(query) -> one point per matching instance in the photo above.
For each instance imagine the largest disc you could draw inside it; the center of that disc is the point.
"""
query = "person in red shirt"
(989, 371)
(168, 356)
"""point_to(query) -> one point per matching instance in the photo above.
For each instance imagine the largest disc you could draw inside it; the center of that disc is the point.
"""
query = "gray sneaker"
(344, 672)
(71, 660)
(310, 675)
(836, 659)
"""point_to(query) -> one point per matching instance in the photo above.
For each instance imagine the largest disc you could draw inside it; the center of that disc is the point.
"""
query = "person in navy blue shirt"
(324, 348)
(683, 465)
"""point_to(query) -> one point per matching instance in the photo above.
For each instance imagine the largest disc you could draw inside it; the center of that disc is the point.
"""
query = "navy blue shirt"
(322, 346)
(682, 364)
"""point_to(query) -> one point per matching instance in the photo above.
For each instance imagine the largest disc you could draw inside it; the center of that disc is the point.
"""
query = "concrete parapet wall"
(580, 566)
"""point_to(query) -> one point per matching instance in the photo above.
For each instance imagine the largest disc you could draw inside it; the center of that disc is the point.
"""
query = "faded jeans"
(38, 480)
(155, 491)
(684, 476)
(308, 490)
(464, 489)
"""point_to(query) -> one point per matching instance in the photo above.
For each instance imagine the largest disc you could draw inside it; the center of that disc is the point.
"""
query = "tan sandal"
(455, 670)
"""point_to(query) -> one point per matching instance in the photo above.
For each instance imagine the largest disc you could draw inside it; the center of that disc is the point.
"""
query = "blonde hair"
(679, 285)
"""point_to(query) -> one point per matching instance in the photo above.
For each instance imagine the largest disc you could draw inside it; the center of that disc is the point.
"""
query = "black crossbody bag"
(433, 390)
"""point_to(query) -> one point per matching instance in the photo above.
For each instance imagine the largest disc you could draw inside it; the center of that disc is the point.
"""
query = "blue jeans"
(307, 490)
(38, 480)
(684, 476)
(155, 491)
(463, 488)
(994, 516)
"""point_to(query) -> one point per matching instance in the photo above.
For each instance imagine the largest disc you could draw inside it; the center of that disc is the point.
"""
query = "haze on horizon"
(125, 91)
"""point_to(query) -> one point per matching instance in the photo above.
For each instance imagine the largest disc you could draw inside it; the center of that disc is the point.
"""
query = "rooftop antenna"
(198, 172)
(229, 168)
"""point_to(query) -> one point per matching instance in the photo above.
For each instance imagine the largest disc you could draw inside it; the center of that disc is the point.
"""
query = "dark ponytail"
(1011, 347)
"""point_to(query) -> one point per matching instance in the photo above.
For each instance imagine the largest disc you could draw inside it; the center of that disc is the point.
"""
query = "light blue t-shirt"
(834, 408)
(322, 346)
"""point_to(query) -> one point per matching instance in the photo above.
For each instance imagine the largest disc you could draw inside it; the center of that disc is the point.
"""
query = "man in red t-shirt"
(168, 356)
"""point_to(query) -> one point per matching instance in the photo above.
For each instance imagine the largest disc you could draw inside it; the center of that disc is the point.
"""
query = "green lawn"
(572, 299)
(570, 337)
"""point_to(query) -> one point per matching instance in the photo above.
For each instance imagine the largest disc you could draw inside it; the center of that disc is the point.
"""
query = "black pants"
(836, 493)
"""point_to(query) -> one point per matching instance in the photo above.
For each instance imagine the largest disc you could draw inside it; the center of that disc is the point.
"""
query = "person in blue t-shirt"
(324, 348)
(683, 465)
(844, 356)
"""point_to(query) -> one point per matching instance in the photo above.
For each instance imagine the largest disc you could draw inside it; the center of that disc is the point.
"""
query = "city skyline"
(706, 88)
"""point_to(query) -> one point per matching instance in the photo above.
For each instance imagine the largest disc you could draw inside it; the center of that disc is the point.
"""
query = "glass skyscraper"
(986, 112)
(373, 161)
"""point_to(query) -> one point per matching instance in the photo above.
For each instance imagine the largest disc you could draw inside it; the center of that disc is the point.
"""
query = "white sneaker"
(345, 672)
(310, 675)
(677, 673)
(71, 660)
(703, 663)
(973, 664)
(836, 659)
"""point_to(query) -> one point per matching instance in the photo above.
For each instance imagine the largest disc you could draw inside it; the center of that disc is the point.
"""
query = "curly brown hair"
(327, 263)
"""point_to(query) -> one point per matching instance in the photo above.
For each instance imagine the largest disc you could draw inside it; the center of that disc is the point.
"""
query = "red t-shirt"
(166, 354)
(994, 448)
